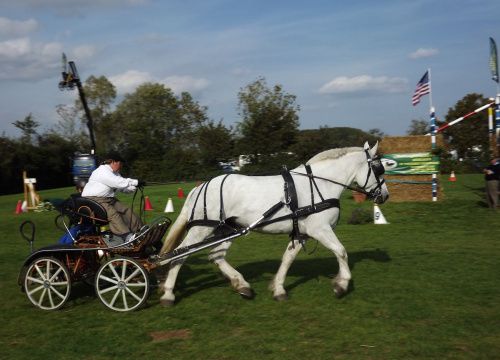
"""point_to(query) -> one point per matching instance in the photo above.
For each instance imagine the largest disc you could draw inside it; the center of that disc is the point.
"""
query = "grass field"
(426, 286)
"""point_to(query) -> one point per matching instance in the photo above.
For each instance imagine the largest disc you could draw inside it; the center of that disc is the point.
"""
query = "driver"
(101, 187)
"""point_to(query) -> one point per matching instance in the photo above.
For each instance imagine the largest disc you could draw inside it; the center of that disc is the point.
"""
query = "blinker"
(377, 167)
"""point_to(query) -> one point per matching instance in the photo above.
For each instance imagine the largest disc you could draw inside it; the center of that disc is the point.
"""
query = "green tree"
(71, 127)
(11, 174)
(159, 132)
(28, 127)
(470, 137)
(100, 94)
(313, 141)
(269, 120)
(215, 143)
(376, 132)
(418, 127)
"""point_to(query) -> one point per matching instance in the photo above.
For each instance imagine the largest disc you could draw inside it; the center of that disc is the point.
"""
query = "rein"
(221, 226)
(374, 165)
(357, 188)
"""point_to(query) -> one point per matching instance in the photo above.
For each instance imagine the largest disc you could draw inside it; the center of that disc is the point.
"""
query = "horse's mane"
(332, 154)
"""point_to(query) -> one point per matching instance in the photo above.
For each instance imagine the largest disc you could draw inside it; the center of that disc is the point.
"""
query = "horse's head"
(369, 176)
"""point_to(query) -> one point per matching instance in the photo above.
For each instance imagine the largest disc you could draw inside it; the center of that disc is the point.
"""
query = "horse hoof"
(167, 303)
(338, 291)
(246, 293)
(281, 297)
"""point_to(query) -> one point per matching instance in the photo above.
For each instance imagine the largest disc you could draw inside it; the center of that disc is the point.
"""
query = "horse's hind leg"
(238, 282)
(194, 235)
(327, 237)
(276, 285)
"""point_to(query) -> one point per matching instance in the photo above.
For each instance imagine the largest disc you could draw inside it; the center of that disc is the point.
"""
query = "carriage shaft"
(188, 252)
(183, 252)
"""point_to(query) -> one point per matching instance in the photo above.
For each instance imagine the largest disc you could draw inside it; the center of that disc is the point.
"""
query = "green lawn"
(426, 286)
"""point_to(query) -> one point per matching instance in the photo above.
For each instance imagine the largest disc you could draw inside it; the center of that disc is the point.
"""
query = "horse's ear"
(366, 146)
(373, 150)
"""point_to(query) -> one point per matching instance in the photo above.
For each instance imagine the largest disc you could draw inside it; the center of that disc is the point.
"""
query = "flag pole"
(432, 112)
(494, 77)
(430, 88)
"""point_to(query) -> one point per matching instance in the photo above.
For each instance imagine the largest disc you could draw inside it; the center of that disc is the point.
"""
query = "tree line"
(168, 137)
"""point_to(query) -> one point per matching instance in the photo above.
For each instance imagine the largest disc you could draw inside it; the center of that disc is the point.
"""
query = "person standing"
(492, 177)
(101, 187)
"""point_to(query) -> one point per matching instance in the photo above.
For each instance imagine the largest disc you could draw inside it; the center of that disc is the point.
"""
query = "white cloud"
(128, 81)
(422, 53)
(75, 8)
(179, 84)
(24, 59)
(364, 83)
(241, 71)
(10, 27)
(83, 52)
(14, 49)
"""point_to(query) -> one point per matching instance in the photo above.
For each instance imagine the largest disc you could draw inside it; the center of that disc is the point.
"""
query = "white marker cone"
(170, 206)
(378, 217)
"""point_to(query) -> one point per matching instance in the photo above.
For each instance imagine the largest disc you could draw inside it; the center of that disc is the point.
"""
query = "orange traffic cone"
(180, 193)
(147, 204)
(19, 207)
(452, 177)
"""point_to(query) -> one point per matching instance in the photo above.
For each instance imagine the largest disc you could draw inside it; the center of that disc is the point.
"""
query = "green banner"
(410, 164)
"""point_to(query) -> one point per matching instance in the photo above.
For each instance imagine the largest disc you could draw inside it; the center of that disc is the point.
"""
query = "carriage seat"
(85, 210)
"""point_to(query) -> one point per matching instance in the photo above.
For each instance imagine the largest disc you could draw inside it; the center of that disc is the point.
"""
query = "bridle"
(374, 165)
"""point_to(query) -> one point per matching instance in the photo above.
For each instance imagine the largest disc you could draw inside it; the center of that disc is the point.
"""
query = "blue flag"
(493, 60)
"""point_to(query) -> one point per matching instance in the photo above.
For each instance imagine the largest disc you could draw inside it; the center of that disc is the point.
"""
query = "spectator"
(492, 176)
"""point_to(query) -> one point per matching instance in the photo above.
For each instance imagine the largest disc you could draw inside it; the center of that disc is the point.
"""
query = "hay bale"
(408, 144)
(409, 187)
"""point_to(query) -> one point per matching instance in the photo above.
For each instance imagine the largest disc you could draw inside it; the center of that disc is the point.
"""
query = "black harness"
(297, 212)
(227, 226)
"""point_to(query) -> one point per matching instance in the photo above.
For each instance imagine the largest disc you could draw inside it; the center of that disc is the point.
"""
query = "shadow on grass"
(303, 270)
(193, 278)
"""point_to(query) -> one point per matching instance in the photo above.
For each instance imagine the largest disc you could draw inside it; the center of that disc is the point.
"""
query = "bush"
(360, 216)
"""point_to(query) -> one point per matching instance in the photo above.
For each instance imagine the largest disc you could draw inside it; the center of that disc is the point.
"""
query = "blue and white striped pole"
(497, 122)
(433, 140)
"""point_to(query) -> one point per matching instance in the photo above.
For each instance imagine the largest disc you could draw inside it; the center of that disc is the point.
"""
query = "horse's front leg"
(238, 282)
(327, 237)
(194, 235)
(277, 284)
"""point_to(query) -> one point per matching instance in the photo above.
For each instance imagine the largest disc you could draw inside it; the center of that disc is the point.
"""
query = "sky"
(352, 64)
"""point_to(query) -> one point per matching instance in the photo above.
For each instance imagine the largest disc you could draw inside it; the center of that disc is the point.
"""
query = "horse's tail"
(177, 230)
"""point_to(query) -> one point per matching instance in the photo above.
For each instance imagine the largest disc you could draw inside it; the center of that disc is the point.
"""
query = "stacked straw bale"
(405, 145)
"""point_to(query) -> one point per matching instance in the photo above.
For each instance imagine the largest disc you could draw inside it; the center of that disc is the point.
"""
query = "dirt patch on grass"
(182, 334)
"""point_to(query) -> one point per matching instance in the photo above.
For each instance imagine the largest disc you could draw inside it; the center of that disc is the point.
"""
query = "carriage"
(303, 202)
(121, 272)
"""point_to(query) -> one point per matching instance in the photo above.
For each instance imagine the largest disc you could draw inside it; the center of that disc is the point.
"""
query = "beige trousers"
(122, 219)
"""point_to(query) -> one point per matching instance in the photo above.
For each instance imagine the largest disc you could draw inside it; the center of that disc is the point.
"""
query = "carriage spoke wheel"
(122, 284)
(47, 283)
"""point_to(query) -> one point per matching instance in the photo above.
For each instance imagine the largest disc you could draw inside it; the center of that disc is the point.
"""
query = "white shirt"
(103, 182)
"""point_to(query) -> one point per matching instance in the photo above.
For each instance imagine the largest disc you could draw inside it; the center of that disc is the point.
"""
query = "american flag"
(423, 87)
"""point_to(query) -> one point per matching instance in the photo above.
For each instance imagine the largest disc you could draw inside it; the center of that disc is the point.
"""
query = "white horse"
(246, 198)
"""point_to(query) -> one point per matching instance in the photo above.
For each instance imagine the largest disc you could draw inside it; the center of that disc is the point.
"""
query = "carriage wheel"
(47, 283)
(122, 284)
